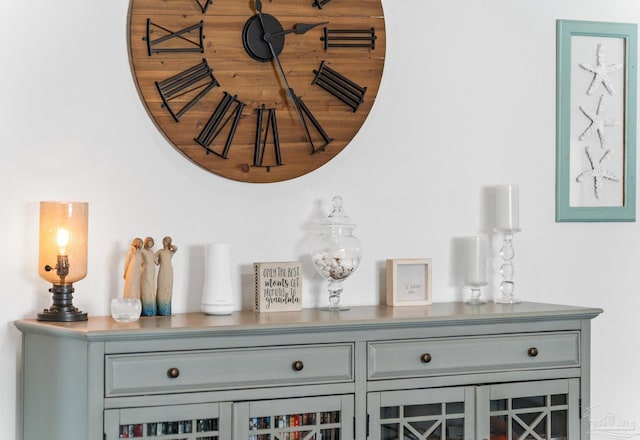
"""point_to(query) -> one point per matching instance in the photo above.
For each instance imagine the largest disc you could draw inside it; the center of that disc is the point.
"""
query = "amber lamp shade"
(63, 255)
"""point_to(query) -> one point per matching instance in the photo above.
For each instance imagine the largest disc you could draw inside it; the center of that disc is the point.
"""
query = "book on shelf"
(296, 423)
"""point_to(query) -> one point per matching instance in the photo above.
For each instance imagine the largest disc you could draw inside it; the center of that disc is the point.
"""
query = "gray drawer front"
(227, 369)
(403, 359)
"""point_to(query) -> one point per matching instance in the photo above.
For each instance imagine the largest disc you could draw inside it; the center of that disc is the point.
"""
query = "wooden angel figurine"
(165, 276)
(148, 279)
(133, 270)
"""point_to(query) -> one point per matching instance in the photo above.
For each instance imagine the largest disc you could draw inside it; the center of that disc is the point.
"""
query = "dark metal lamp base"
(62, 309)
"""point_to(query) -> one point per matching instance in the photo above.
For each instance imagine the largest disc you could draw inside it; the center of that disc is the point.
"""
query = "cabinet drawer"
(426, 357)
(225, 369)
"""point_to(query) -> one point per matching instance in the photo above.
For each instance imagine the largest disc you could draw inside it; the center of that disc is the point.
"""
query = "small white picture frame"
(409, 282)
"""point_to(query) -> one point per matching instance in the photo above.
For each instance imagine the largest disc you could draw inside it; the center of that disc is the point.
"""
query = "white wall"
(467, 102)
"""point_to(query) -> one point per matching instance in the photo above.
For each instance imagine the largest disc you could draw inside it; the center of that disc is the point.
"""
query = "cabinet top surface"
(362, 318)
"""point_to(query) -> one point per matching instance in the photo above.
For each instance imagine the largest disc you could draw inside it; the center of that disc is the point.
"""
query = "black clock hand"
(290, 93)
(298, 29)
(267, 39)
(258, 6)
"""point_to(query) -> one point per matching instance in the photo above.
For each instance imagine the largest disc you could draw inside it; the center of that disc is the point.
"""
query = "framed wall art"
(409, 282)
(596, 121)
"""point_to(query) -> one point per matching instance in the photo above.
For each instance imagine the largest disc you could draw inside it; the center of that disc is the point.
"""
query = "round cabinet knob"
(297, 366)
(533, 352)
(173, 372)
(425, 358)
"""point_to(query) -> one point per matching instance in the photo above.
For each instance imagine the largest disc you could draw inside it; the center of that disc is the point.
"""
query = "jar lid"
(337, 216)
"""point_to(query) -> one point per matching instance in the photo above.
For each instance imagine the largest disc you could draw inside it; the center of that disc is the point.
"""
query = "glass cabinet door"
(542, 410)
(313, 418)
(426, 414)
(210, 421)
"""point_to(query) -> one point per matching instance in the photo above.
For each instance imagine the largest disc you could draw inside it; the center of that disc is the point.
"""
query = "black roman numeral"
(320, 3)
(339, 86)
(267, 137)
(204, 4)
(229, 109)
(307, 117)
(189, 39)
(193, 83)
(365, 38)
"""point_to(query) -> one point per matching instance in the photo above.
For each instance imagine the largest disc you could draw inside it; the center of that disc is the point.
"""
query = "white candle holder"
(507, 253)
(475, 290)
(475, 274)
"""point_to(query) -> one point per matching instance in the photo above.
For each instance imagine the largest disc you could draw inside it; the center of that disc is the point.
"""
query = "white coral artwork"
(600, 72)
(597, 172)
(598, 123)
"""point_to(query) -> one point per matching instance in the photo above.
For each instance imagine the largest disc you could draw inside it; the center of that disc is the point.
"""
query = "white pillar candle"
(507, 207)
(475, 258)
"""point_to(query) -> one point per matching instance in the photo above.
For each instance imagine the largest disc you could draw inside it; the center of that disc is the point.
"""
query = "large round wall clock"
(258, 90)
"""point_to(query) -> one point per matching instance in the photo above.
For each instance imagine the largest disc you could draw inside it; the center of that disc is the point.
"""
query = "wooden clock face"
(207, 74)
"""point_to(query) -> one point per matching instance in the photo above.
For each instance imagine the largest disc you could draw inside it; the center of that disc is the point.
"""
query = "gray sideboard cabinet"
(445, 371)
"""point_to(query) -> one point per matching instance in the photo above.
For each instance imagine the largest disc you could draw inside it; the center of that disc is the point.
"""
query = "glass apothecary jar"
(335, 251)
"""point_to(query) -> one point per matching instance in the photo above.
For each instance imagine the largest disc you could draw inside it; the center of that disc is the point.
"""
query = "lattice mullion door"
(433, 414)
(539, 410)
(209, 421)
(309, 418)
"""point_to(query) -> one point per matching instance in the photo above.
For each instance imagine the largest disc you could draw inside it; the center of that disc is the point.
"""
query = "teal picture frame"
(570, 138)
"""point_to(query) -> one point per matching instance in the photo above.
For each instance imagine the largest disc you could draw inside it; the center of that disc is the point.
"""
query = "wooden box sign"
(278, 286)
(409, 282)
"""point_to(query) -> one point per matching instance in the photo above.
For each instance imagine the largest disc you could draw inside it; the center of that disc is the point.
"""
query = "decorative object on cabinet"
(218, 80)
(63, 256)
(148, 292)
(164, 290)
(507, 224)
(596, 121)
(217, 295)
(133, 270)
(278, 286)
(475, 267)
(409, 282)
(335, 252)
(375, 372)
(126, 309)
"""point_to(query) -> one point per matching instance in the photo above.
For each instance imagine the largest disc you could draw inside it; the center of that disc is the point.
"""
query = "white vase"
(217, 297)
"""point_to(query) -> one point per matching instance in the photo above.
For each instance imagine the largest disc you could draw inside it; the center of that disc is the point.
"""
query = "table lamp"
(63, 256)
